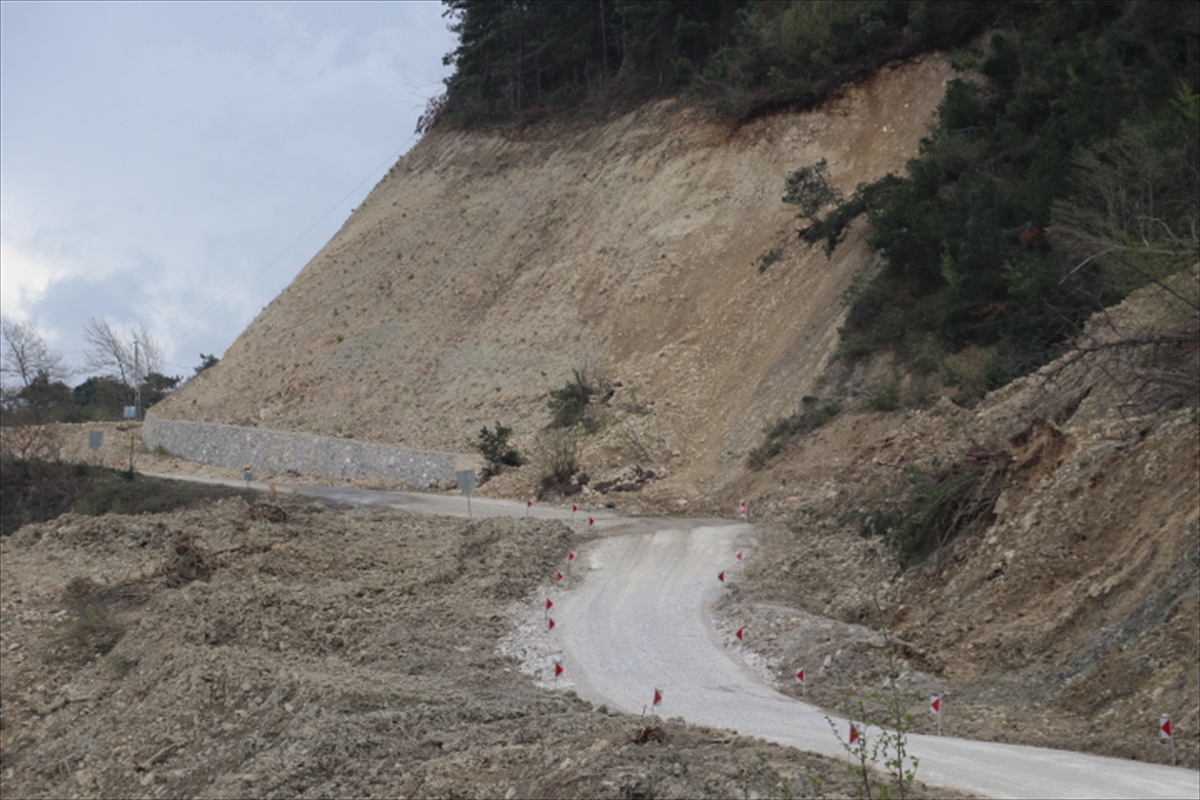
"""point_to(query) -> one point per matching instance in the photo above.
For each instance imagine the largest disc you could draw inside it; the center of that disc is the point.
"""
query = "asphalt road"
(641, 619)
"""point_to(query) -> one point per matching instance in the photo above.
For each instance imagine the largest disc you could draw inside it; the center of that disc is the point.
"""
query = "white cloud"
(157, 158)
(24, 277)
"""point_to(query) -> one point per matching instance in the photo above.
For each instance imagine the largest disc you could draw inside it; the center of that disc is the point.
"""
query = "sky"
(176, 164)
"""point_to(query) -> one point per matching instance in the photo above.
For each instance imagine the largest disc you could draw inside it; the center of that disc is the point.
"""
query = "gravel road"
(642, 619)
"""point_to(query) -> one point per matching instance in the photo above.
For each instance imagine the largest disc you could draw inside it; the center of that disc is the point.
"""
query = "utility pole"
(137, 384)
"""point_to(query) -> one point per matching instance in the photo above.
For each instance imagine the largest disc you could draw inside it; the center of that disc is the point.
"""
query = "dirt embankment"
(486, 268)
(1068, 615)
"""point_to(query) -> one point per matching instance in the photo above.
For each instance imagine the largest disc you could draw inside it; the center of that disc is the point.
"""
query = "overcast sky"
(176, 164)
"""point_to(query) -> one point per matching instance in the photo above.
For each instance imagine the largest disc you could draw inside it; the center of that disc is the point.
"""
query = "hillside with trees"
(917, 282)
(1062, 173)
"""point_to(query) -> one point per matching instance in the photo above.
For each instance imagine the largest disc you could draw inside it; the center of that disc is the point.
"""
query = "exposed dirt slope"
(485, 268)
(1070, 615)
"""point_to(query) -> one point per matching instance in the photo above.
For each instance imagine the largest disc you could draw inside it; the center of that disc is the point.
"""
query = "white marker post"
(1167, 731)
(528, 505)
(744, 510)
(935, 708)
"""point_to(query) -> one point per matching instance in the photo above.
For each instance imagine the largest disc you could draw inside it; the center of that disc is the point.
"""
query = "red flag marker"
(570, 556)
(558, 668)
(935, 704)
(853, 733)
(658, 697)
(721, 576)
(741, 634)
(550, 623)
(574, 508)
(800, 676)
(558, 577)
(740, 556)
(1167, 731)
(549, 604)
(591, 522)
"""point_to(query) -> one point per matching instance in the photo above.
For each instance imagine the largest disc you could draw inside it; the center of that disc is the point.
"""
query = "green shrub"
(887, 398)
(768, 258)
(812, 414)
(930, 508)
(560, 464)
(494, 446)
(569, 403)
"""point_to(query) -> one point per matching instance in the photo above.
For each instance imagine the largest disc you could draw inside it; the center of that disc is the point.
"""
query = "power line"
(228, 295)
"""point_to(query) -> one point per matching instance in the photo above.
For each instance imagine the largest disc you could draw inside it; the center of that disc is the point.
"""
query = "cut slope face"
(483, 270)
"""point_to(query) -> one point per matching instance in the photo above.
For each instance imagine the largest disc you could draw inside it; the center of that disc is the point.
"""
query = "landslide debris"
(334, 653)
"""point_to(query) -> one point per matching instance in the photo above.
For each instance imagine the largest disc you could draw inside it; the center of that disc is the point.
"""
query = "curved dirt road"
(641, 619)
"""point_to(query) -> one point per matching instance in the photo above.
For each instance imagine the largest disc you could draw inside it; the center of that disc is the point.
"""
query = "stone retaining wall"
(266, 452)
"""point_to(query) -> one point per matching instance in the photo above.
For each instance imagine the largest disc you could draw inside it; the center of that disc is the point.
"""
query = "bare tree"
(130, 359)
(25, 355)
(1135, 222)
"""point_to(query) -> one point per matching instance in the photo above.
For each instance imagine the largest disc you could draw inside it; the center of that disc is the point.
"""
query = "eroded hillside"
(485, 268)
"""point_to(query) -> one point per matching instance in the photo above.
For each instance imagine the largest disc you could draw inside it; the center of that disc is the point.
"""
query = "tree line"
(529, 58)
(34, 386)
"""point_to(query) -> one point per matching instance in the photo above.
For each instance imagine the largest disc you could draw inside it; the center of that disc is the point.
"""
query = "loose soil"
(337, 653)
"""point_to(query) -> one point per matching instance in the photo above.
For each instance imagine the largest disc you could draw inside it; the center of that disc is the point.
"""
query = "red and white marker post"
(574, 508)
(1167, 731)
(550, 623)
(802, 679)
(721, 576)
(744, 510)
(854, 734)
(558, 670)
(570, 560)
(935, 708)
(549, 605)
(591, 522)
(740, 634)
(528, 505)
(656, 702)
(558, 577)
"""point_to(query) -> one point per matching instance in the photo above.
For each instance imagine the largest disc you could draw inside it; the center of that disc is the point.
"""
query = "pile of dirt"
(338, 652)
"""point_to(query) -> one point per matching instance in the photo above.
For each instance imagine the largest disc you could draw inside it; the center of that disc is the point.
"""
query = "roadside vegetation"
(38, 491)
(127, 372)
